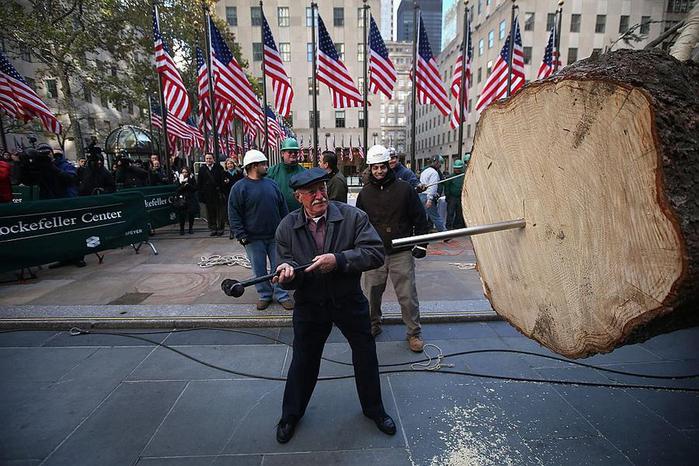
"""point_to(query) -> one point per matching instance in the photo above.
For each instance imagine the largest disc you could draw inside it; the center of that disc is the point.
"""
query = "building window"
(285, 51)
(340, 50)
(480, 6)
(481, 47)
(232, 15)
(550, 21)
(529, 21)
(574, 23)
(360, 84)
(572, 55)
(489, 67)
(51, 89)
(360, 52)
(87, 95)
(360, 122)
(645, 24)
(338, 17)
(623, 24)
(679, 6)
(468, 131)
(104, 102)
(527, 55)
(470, 105)
(501, 30)
(257, 51)
(309, 52)
(600, 23)
(283, 16)
(479, 74)
(309, 17)
(360, 18)
(340, 119)
(311, 121)
(310, 86)
(255, 16)
(491, 39)
(25, 55)
(289, 121)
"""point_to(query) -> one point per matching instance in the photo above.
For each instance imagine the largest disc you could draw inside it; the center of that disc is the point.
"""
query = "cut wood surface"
(603, 164)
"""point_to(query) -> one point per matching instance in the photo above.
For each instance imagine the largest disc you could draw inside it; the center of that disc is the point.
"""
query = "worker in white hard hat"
(395, 211)
(255, 208)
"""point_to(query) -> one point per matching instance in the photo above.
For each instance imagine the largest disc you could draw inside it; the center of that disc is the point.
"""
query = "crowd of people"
(297, 224)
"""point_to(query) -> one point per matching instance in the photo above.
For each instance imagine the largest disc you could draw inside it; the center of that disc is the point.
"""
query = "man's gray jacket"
(349, 236)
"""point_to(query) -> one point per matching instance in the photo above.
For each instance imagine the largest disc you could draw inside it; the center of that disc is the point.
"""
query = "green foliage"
(107, 45)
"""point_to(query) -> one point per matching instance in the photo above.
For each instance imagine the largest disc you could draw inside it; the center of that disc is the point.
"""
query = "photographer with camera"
(96, 179)
(37, 168)
(129, 175)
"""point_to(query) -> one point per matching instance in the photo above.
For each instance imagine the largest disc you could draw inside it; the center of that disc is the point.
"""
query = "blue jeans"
(258, 252)
(433, 212)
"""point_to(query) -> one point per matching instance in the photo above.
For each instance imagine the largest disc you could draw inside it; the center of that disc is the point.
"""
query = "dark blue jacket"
(71, 183)
(349, 236)
(255, 208)
(406, 174)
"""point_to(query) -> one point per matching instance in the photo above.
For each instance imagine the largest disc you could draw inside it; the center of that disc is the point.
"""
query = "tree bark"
(602, 161)
(72, 112)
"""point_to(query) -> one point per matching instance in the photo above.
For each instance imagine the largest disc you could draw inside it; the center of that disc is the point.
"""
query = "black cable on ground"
(137, 336)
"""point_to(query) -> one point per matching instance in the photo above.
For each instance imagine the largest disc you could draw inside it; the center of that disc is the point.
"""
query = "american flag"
(360, 148)
(203, 93)
(351, 152)
(274, 68)
(430, 87)
(547, 64)
(333, 73)
(496, 85)
(176, 128)
(456, 80)
(231, 82)
(274, 131)
(383, 73)
(20, 100)
(174, 92)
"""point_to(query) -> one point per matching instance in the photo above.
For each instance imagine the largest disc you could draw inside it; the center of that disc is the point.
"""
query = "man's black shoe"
(231, 235)
(285, 430)
(385, 424)
(219, 233)
(213, 233)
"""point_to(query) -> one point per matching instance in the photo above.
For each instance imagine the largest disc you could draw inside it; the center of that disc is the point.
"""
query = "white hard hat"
(377, 154)
(253, 156)
(391, 151)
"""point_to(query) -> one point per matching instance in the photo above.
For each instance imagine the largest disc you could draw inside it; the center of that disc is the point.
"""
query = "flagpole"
(314, 6)
(413, 165)
(2, 132)
(163, 110)
(557, 36)
(510, 52)
(264, 81)
(212, 98)
(366, 78)
(150, 125)
(464, 54)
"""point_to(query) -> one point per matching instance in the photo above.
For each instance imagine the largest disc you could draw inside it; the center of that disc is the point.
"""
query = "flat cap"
(308, 177)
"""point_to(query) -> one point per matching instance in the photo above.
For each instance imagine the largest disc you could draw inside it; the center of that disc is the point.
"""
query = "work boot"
(288, 304)
(415, 343)
(263, 304)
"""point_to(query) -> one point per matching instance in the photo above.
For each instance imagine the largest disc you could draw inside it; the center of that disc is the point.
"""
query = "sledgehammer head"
(232, 288)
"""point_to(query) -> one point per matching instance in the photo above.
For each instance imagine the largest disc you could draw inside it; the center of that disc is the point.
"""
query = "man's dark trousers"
(216, 214)
(312, 325)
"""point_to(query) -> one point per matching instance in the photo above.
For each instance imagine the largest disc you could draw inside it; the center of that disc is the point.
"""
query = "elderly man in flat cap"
(341, 243)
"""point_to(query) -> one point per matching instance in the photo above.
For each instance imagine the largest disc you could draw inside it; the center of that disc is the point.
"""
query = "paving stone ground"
(111, 400)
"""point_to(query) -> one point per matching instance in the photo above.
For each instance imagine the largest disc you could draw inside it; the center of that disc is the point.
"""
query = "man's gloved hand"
(420, 188)
(419, 251)
(243, 241)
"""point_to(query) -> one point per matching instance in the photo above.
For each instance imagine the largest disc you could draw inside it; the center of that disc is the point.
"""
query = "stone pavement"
(110, 400)
(170, 290)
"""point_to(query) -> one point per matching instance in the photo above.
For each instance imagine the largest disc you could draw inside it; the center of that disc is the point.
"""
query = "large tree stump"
(602, 161)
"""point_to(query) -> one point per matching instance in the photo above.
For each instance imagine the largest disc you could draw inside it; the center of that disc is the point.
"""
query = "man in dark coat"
(395, 210)
(337, 183)
(342, 244)
(210, 181)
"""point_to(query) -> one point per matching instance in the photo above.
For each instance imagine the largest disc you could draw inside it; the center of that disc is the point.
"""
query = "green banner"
(40, 232)
(158, 202)
(22, 193)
